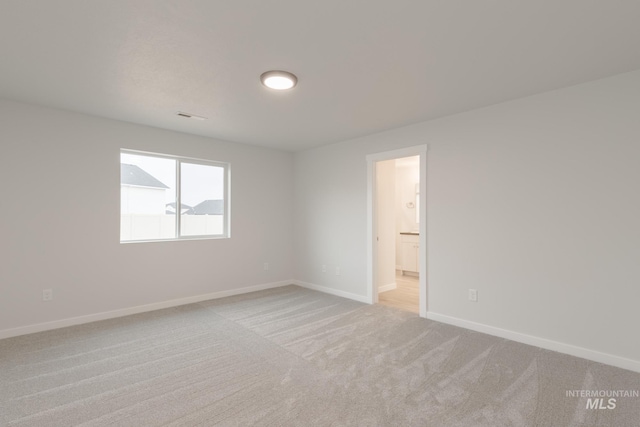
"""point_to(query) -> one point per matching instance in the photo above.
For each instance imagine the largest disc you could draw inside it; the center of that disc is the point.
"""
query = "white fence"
(150, 227)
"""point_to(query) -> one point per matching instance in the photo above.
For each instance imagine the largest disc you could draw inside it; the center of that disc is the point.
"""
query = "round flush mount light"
(278, 80)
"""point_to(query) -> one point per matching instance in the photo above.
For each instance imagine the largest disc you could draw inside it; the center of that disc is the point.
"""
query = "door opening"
(397, 273)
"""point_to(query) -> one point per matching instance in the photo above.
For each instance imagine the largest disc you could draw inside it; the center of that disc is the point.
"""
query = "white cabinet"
(410, 244)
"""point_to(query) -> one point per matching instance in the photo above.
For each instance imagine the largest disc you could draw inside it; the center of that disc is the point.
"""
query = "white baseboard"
(332, 291)
(584, 353)
(385, 288)
(40, 327)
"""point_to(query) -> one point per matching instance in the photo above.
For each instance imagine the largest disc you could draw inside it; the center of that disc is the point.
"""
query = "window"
(166, 198)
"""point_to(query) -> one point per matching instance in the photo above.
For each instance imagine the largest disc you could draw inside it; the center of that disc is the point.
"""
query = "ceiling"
(363, 65)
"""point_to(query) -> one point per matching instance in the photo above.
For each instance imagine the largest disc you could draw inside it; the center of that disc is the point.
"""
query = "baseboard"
(572, 350)
(56, 324)
(332, 291)
(410, 273)
(385, 288)
(584, 353)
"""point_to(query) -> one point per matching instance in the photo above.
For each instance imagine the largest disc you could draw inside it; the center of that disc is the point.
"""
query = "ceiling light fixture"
(279, 80)
(190, 116)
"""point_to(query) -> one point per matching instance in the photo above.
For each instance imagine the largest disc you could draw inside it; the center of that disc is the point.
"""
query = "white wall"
(534, 203)
(60, 175)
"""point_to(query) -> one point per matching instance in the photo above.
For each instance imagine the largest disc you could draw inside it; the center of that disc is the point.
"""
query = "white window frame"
(226, 223)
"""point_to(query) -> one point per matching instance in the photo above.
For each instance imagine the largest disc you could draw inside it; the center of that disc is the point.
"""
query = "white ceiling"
(363, 65)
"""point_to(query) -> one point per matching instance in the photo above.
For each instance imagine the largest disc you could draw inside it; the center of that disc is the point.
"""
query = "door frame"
(372, 222)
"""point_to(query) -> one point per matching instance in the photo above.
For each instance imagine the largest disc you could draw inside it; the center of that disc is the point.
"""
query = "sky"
(199, 182)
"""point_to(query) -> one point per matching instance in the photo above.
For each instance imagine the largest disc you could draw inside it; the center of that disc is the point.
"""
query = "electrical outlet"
(47, 294)
(473, 295)
(324, 268)
(337, 271)
(266, 266)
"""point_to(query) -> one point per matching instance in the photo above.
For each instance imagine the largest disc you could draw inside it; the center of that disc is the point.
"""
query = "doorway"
(396, 231)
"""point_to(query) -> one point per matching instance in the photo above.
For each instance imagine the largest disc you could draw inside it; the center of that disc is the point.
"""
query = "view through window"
(165, 198)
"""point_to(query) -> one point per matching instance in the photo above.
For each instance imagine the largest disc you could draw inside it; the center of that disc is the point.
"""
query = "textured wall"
(60, 175)
(533, 202)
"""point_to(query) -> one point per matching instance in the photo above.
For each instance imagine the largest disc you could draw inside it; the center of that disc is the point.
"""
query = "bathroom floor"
(405, 296)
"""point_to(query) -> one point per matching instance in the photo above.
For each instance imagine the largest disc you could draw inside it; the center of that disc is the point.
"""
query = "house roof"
(184, 209)
(134, 175)
(209, 207)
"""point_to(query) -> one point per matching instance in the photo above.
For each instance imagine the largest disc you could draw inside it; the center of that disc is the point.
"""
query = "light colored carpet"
(294, 357)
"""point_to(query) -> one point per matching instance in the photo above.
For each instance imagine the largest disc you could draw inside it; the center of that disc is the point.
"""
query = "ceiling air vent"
(190, 116)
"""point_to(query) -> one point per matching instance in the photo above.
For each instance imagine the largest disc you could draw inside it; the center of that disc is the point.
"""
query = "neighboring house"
(140, 192)
(209, 207)
(184, 209)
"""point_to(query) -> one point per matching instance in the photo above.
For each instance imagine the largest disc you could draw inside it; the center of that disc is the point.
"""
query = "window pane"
(202, 194)
(147, 197)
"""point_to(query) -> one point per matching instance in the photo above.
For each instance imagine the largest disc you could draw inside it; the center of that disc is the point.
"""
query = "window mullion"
(178, 202)
(226, 190)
